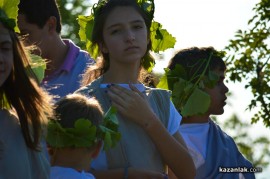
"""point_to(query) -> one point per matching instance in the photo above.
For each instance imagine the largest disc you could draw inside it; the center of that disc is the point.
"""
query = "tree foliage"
(248, 60)
(70, 9)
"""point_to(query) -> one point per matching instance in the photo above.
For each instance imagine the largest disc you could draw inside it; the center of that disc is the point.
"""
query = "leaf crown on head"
(84, 133)
(9, 13)
(161, 39)
(188, 93)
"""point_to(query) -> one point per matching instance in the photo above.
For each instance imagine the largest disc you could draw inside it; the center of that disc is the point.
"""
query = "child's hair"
(101, 12)
(76, 106)
(194, 60)
(39, 11)
(21, 92)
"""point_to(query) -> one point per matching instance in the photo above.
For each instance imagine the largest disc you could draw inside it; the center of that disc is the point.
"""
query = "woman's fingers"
(129, 102)
(120, 91)
(133, 88)
(121, 96)
(116, 99)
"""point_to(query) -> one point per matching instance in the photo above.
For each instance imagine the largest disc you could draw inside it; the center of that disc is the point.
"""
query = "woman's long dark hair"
(30, 102)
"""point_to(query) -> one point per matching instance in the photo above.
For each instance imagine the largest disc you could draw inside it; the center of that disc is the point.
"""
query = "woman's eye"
(137, 27)
(115, 31)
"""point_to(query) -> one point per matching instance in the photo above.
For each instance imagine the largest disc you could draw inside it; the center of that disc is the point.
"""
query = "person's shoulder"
(9, 115)
(227, 136)
(159, 91)
(84, 56)
(89, 89)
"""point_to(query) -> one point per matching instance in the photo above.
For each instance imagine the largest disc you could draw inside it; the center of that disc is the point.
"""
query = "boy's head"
(76, 106)
(79, 122)
(199, 65)
(40, 25)
(38, 12)
(79, 139)
(191, 60)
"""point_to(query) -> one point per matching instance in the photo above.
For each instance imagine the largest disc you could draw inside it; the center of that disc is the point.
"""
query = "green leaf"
(9, 12)
(185, 92)
(163, 83)
(86, 28)
(107, 141)
(211, 80)
(38, 65)
(148, 63)
(86, 23)
(4, 103)
(82, 135)
(197, 103)
(160, 38)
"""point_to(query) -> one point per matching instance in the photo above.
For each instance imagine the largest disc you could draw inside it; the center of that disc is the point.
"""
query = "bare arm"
(173, 151)
(180, 139)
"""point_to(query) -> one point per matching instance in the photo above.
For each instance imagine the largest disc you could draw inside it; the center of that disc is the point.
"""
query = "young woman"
(148, 120)
(24, 108)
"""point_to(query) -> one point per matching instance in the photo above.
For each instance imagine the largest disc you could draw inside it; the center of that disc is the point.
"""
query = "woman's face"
(6, 54)
(125, 36)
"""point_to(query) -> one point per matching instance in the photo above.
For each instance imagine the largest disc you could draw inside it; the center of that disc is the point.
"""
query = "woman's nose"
(130, 36)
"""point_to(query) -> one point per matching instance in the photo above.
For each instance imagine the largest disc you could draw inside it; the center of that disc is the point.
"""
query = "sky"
(210, 23)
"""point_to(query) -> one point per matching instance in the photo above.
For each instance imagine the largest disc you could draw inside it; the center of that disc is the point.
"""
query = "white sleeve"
(174, 120)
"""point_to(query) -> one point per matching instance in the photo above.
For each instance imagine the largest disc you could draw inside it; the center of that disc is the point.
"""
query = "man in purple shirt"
(40, 24)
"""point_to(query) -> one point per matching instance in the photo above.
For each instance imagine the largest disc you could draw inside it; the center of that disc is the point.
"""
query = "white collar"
(139, 86)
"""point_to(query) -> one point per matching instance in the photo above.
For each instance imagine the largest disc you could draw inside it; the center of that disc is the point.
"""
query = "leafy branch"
(249, 59)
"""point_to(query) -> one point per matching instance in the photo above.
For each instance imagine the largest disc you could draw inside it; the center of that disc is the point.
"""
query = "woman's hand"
(132, 104)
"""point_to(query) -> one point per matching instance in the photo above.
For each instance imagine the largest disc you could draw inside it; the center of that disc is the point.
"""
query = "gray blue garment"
(17, 161)
(67, 78)
(135, 148)
(222, 152)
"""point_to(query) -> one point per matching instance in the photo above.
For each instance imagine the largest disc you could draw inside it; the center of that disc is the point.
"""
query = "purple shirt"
(67, 78)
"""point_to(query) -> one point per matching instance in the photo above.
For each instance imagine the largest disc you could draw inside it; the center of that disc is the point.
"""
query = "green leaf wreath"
(188, 96)
(161, 39)
(84, 133)
(9, 12)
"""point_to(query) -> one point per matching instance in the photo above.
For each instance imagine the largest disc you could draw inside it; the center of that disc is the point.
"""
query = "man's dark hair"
(39, 11)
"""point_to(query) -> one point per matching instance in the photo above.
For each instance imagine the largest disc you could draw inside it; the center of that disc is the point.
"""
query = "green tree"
(70, 9)
(250, 60)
